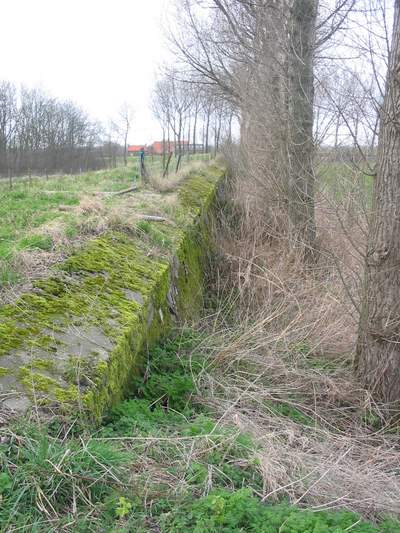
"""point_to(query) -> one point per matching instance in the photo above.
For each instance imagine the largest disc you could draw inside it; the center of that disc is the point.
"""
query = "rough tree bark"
(378, 352)
(300, 122)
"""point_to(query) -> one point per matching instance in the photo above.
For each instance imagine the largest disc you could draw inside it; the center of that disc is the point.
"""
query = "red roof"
(135, 148)
(158, 146)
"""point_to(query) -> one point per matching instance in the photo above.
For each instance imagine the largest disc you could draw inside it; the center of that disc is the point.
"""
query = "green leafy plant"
(223, 511)
(124, 507)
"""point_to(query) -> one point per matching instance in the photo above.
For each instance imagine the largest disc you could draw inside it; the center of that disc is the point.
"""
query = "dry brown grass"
(173, 181)
(311, 424)
(286, 353)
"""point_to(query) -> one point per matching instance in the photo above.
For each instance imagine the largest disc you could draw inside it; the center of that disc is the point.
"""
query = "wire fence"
(166, 165)
(154, 165)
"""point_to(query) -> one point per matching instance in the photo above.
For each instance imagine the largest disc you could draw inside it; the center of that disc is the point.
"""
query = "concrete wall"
(76, 340)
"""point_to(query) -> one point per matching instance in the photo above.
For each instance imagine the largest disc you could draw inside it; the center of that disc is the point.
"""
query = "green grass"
(159, 462)
(341, 180)
(26, 207)
(31, 204)
(154, 164)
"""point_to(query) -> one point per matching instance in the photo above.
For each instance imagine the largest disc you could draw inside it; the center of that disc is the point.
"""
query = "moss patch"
(92, 322)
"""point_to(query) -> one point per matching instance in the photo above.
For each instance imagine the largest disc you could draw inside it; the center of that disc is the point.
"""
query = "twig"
(154, 218)
(125, 191)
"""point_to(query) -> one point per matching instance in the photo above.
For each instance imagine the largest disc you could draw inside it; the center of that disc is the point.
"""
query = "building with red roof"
(159, 147)
(134, 149)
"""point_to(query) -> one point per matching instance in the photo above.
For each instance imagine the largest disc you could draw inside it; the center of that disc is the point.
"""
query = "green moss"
(4, 371)
(198, 191)
(115, 285)
(67, 397)
(35, 382)
(43, 364)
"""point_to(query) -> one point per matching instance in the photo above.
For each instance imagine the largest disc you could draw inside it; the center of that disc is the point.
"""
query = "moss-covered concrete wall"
(77, 339)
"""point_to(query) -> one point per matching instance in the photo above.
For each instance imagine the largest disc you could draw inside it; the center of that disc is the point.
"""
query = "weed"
(124, 507)
(35, 242)
(43, 475)
(223, 511)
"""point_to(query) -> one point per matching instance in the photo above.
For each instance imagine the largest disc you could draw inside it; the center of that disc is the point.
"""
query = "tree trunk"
(300, 125)
(194, 129)
(378, 351)
(337, 126)
(207, 128)
(126, 148)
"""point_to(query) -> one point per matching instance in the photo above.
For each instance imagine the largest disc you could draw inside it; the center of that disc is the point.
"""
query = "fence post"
(143, 172)
(10, 178)
(30, 177)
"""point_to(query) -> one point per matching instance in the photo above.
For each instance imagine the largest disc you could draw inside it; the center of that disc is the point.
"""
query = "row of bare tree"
(298, 73)
(191, 114)
(261, 60)
(44, 134)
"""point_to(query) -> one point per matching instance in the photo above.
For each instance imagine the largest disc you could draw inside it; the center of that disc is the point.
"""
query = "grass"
(67, 206)
(154, 164)
(27, 208)
(161, 461)
(340, 180)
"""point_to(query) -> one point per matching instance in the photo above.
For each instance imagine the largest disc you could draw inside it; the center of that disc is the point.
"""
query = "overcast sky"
(98, 53)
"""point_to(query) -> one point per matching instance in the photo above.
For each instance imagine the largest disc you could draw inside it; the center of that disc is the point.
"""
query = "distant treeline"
(43, 134)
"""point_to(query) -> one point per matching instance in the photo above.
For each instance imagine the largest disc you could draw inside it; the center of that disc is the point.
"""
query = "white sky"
(98, 53)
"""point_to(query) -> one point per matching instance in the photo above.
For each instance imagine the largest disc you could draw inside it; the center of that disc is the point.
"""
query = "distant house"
(158, 147)
(134, 149)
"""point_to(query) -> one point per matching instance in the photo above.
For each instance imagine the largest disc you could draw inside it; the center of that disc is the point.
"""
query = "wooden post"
(10, 178)
(30, 177)
(143, 172)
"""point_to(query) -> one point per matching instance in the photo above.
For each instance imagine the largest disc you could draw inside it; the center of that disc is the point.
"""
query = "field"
(33, 213)
(41, 219)
(339, 179)
(154, 163)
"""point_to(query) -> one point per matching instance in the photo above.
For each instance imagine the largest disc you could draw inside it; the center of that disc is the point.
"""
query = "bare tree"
(123, 126)
(301, 119)
(41, 133)
(378, 352)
